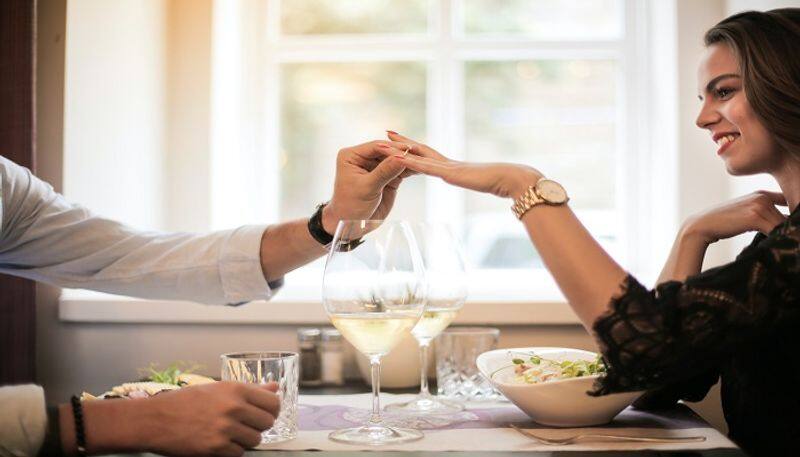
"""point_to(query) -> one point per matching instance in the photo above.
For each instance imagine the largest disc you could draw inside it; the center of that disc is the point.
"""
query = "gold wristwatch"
(544, 191)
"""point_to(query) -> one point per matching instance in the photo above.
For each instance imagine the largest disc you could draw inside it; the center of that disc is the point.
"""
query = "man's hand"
(219, 419)
(365, 187)
(223, 418)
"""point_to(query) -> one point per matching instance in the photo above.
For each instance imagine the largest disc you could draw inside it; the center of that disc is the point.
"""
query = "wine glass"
(447, 291)
(374, 292)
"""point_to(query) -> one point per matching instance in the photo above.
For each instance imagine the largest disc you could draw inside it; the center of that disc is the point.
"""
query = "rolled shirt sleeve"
(23, 422)
(47, 239)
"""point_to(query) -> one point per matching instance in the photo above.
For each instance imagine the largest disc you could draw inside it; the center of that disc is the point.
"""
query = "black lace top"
(740, 321)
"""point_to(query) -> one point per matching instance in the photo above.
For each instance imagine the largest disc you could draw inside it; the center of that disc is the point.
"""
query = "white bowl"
(562, 403)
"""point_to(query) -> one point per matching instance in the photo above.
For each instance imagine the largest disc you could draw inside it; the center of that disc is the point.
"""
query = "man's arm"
(47, 239)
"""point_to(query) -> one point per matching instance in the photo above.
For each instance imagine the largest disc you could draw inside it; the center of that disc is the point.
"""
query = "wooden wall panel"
(17, 128)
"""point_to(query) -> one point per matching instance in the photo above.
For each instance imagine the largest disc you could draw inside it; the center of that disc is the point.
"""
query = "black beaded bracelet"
(80, 434)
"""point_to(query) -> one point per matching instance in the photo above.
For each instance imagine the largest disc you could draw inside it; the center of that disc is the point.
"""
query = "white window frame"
(526, 298)
(443, 49)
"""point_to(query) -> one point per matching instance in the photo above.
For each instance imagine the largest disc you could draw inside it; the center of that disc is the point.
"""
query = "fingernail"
(392, 132)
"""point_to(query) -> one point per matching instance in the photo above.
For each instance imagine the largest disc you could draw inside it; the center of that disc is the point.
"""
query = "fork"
(635, 439)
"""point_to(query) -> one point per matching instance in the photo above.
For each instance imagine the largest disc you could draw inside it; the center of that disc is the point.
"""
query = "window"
(549, 83)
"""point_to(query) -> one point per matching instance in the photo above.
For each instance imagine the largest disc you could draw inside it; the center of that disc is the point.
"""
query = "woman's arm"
(585, 273)
(754, 211)
(685, 257)
(651, 338)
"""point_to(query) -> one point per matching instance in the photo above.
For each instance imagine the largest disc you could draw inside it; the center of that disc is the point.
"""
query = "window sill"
(81, 306)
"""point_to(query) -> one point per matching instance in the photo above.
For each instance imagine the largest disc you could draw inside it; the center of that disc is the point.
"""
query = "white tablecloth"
(484, 427)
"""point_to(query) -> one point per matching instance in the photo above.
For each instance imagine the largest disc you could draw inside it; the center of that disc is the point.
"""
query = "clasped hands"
(753, 212)
(369, 175)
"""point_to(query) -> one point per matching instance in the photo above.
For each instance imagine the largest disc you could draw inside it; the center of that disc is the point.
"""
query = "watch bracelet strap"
(526, 201)
(324, 238)
(316, 229)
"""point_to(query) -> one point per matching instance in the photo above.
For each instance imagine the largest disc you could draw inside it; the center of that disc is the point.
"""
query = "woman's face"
(743, 143)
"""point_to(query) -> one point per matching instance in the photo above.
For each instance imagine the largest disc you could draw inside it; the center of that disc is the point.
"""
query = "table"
(360, 388)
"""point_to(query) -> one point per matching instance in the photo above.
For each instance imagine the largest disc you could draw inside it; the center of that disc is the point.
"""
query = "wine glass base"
(426, 405)
(375, 435)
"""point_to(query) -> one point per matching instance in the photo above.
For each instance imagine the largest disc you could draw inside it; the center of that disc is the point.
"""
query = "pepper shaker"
(308, 339)
(332, 357)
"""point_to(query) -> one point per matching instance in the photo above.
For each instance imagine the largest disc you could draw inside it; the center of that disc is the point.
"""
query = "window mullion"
(444, 202)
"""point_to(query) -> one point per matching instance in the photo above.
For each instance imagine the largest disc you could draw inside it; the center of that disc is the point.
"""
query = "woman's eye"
(724, 92)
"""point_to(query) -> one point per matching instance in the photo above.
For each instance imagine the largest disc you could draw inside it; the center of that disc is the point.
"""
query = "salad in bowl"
(550, 384)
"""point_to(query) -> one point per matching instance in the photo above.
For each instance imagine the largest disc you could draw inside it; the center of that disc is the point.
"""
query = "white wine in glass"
(375, 334)
(374, 291)
(447, 291)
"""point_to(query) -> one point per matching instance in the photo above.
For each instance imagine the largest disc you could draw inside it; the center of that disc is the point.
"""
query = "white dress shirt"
(45, 238)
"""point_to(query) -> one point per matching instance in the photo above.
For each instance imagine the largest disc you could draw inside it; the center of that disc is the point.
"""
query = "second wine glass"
(447, 290)
(374, 292)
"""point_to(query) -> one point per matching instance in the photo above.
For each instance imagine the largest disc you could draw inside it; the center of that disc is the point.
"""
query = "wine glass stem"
(423, 369)
(375, 365)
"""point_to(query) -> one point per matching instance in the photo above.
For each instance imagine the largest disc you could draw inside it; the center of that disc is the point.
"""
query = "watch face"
(551, 191)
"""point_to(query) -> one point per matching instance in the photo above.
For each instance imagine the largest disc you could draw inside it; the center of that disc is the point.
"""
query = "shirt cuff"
(240, 266)
(23, 421)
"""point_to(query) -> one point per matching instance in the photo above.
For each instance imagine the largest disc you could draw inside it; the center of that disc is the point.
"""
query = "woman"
(739, 320)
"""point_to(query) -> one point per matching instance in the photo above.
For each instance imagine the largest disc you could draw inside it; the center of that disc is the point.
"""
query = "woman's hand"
(753, 212)
(502, 179)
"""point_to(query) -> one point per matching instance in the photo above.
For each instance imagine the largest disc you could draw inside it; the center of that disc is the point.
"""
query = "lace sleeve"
(654, 338)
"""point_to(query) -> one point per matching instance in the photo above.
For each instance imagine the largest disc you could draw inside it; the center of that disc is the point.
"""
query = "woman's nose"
(707, 115)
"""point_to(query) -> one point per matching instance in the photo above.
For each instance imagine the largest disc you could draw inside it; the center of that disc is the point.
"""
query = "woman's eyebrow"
(716, 80)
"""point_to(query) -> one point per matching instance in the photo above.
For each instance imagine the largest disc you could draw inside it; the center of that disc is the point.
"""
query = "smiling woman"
(730, 322)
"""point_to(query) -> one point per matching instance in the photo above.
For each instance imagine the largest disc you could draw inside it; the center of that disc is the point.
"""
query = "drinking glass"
(457, 375)
(447, 290)
(263, 368)
(374, 292)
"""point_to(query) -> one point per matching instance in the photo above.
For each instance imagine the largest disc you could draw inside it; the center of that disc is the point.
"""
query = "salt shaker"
(332, 357)
(308, 339)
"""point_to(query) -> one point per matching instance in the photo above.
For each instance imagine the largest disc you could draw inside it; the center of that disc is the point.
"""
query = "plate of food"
(551, 384)
(154, 382)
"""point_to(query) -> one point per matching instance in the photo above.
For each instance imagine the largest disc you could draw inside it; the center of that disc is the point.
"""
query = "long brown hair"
(767, 46)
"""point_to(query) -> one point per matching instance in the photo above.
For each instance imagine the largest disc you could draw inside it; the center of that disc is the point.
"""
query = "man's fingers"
(245, 436)
(264, 397)
(386, 171)
(230, 450)
(270, 386)
(255, 418)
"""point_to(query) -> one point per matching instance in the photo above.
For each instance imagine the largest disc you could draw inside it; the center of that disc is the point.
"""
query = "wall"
(188, 154)
(115, 78)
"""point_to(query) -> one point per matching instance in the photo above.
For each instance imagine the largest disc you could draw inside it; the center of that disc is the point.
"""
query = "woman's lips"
(726, 141)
